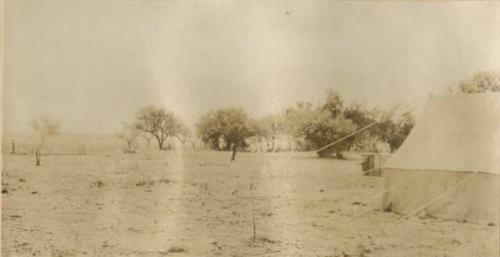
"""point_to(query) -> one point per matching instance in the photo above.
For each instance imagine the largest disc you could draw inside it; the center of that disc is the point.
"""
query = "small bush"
(99, 184)
(164, 180)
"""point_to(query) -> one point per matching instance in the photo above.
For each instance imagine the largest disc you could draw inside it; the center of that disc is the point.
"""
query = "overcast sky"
(92, 64)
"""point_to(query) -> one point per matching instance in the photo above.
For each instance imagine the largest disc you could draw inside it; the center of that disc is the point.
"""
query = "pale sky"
(93, 64)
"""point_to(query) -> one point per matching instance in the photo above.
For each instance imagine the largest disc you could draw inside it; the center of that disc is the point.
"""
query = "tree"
(331, 123)
(269, 128)
(481, 82)
(405, 124)
(313, 127)
(182, 134)
(386, 129)
(229, 125)
(210, 130)
(147, 137)
(362, 117)
(334, 103)
(359, 115)
(161, 124)
(324, 129)
(394, 132)
(129, 136)
(45, 127)
(296, 119)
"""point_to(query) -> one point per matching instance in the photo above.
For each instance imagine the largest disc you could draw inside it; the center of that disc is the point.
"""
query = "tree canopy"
(306, 126)
(226, 129)
(129, 135)
(269, 128)
(481, 82)
(315, 126)
(161, 124)
(45, 128)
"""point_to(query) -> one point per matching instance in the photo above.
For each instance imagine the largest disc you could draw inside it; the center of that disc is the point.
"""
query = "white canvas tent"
(449, 166)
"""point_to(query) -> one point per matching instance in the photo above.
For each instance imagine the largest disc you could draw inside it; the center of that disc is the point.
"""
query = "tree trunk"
(233, 156)
(254, 225)
(38, 157)
(13, 147)
(148, 141)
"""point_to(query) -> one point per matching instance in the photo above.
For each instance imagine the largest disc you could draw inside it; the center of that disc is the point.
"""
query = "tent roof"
(457, 133)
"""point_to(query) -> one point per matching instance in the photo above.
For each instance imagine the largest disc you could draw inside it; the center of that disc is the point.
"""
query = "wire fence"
(68, 145)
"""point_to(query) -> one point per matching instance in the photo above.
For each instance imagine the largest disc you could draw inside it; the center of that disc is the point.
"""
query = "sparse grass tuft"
(175, 249)
(151, 182)
(144, 183)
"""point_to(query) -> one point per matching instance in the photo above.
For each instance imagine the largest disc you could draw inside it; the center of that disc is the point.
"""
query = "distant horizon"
(92, 65)
(416, 111)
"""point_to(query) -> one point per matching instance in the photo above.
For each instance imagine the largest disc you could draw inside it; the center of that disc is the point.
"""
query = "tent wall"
(462, 196)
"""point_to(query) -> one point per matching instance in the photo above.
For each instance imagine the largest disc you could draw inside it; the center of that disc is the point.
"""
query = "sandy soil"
(200, 204)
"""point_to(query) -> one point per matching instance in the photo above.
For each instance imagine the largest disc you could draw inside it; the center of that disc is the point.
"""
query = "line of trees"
(302, 127)
(307, 127)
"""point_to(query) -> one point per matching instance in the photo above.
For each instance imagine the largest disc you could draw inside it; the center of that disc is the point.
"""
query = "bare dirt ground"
(200, 204)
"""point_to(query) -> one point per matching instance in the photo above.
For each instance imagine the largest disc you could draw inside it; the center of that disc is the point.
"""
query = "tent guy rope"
(345, 137)
(397, 222)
